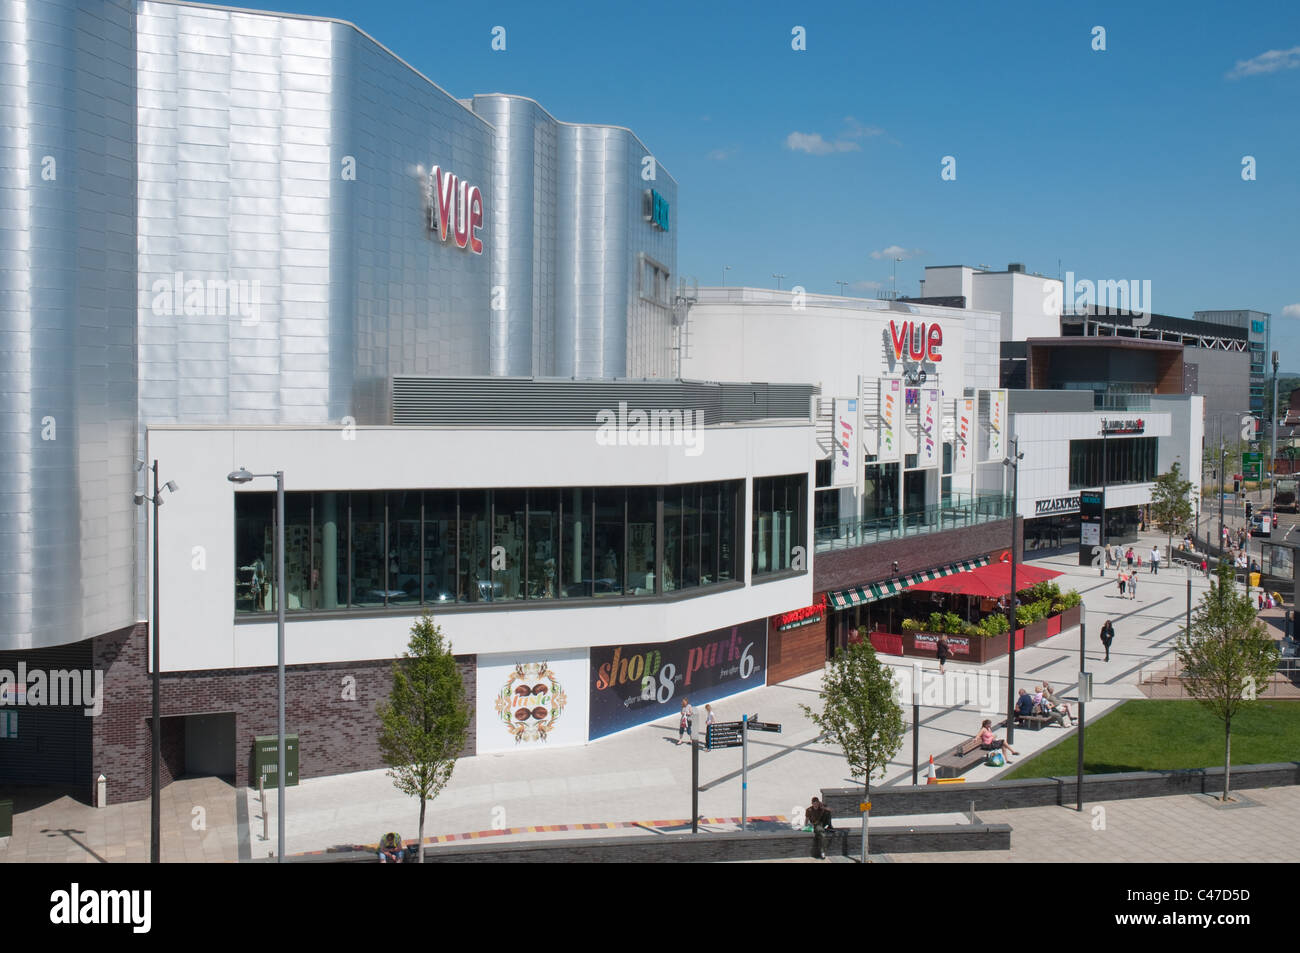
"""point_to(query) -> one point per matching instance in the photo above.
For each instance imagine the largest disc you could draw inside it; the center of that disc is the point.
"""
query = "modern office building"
(1259, 343)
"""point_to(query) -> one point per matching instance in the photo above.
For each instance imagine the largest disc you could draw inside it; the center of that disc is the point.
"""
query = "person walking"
(943, 651)
(1107, 637)
(709, 719)
(1120, 578)
(684, 726)
(1133, 585)
(1155, 560)
(1129, 556)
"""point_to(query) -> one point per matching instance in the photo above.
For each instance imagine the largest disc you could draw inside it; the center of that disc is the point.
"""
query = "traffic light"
(1250, 507)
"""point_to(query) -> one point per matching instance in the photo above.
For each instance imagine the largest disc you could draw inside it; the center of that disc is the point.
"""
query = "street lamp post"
(1272, 456)
(155, 794)
(1102, 531)
(241, 476)
(1013, 461)
(1083, 627)
(1223, 463)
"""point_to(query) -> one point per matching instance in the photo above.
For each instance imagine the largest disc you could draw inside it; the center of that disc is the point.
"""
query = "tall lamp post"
(1013, 462)
(1083, 677)
(155, 794)
(1223, 464)
(1272, 456)
(1102, 528)
(242, 476)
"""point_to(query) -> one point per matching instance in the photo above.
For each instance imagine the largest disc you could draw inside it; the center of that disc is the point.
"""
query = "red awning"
(992, 581)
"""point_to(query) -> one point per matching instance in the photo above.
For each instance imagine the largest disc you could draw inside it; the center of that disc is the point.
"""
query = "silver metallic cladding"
(67, 338)
(570, 240)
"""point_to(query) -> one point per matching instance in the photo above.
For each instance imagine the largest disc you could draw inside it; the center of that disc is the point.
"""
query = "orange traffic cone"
(929, 775)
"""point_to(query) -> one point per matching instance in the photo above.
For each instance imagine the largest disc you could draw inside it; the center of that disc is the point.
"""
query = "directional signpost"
(735, 734)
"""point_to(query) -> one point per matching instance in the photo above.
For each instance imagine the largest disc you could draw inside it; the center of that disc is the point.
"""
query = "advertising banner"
(964, 449)
(997, 443)
(929, 449)
(1092, 510)
(848, 447)
(531, 699)
(891, 415)
(634, 684)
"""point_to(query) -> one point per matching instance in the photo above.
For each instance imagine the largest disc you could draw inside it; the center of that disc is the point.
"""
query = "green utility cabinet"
(266, 757)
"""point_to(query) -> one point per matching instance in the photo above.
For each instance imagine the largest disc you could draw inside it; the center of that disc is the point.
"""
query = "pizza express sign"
(1112, 425)
(1057, 504)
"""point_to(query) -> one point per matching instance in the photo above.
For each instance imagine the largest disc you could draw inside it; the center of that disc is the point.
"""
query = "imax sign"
(655, 209)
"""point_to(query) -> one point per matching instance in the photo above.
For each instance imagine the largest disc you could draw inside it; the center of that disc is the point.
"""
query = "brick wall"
(330, 707)
(795, 651)
(842, 569)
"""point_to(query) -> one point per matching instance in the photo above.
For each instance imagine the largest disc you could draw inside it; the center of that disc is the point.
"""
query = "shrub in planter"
(1071, 599)
(1058, 608)
(912, 625)
(953, 623)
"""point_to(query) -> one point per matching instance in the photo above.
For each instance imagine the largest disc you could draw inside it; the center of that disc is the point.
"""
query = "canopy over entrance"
(991, 582)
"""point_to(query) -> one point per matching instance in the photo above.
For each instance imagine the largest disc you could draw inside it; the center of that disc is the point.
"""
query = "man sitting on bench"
(390, 849)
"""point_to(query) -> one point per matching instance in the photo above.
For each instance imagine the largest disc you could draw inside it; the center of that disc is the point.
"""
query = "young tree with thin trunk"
(424, 722)
(860, 713)
(1171, 504)
(1227, 657)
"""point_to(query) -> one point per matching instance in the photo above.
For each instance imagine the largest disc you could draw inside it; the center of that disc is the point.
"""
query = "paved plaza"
(641, 778)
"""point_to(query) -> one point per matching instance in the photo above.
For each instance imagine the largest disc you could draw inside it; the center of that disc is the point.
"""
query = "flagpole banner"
(891, 412)
(963, 450)
(997, 425)
(928, 437)
(848, 448)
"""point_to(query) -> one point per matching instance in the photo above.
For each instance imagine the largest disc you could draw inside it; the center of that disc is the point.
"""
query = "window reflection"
(507, 559)
(543, 543)
(439, 547)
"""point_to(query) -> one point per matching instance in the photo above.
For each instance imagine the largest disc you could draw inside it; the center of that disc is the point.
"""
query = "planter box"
(1053, 625)
(1034, 632)
(1070, 618)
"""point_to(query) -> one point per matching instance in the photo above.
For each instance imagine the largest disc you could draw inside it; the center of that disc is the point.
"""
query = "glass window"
(508, 527)
(575, 550)
(404, 547)
(610, 542)
(690, 577)
(642, 517)
(672, 565)
(779, 519)
(475, 549)
(330, 550)
(439, 547)
(727, 531)
(254, 560)
(708, 534)
(297, 551)
(543, 543)
(369, 562)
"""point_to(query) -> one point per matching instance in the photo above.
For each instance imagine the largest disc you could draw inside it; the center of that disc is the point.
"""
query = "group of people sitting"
(1042, 702)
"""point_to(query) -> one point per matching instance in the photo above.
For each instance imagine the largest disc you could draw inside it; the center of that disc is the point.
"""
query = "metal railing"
(959, 512)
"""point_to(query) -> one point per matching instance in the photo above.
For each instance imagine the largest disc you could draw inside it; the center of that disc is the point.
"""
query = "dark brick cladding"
(845, 568)
(335, 735)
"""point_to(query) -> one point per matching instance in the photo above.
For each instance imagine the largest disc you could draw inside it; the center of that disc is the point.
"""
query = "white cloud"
(813, 144)
(1291, 311)
(897, 251)
(856, 130)
(1269, 62)
(721, 155)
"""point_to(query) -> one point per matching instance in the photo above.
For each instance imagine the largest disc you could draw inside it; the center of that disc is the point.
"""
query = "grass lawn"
(1159, 735)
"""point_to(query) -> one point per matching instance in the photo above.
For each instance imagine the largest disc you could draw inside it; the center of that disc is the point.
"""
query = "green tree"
(860, 713)
(424, 722)
(1227, 656)
(1171, 504)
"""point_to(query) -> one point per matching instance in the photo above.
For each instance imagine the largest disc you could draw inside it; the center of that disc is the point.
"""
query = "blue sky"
(1120, 164)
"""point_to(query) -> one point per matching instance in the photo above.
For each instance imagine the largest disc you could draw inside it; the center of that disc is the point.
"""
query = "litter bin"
(266, 757)
(1254, 580)
(6, 818)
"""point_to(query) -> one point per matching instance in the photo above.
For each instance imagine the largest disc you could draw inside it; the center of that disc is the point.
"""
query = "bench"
(957, 760)
(1033, 722)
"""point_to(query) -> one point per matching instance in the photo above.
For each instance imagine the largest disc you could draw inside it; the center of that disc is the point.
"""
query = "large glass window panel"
(708, 534)
(543, 543)
(330, 551)
(404, 547)
(779, 522)
(369, 558)
(672, 565)
(254, 571)
(439, 547)
(475, 546)
(642, 512)
(575, 548)
(690, 536)
(610, 541)
(761, 516)
(727, 531)
(508, 527)
(297, 551)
